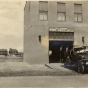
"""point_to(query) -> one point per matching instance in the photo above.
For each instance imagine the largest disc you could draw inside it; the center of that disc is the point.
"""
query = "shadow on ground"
(71, 66)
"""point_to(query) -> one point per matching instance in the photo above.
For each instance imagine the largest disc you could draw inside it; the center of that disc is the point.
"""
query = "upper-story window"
(78, 13)
(61, 11)
(43, 10)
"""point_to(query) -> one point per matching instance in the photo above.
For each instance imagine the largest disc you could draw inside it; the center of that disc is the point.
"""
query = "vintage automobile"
(78, 56)
(79, 60)
(82, 65)
(3, 52)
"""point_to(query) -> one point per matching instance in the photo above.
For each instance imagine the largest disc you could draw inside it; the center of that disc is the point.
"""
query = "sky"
(11, 24)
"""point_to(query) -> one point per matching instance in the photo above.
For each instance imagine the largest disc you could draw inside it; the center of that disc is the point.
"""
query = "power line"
(10, 18)
(25, 25)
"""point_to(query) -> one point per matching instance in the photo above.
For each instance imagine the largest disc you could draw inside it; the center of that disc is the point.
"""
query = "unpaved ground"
(44, 82)
(24, 69)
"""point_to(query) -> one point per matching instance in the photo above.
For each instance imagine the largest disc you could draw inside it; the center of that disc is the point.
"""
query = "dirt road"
(45, 81)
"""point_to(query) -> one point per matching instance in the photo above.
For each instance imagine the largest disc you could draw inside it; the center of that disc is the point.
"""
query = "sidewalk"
(24, 69)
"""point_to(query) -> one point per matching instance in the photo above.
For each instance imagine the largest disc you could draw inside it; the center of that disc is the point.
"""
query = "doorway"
(57, 50)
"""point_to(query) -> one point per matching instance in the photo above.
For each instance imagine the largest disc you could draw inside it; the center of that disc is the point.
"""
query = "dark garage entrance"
(60, 41)
(57, 50)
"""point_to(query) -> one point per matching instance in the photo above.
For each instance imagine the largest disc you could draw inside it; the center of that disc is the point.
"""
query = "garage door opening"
(60, 44)
(59, 50)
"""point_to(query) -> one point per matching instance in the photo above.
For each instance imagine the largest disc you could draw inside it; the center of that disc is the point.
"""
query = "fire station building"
(51, 27)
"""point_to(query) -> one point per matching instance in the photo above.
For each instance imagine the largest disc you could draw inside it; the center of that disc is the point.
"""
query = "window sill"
(43, 20)
(61, 21)
(78, 21)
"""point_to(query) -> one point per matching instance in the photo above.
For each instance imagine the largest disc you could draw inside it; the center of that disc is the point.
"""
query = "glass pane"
(75, 9)
(61, 7)
(60, 35)
(70, 35)
(63, 35)
(41, 16)
(75, 17)
(45, 16)
(54, 34)
(50, 35)
(79, 17)
(80, 9)
(67, 35)
(43, 6)
(61, 17)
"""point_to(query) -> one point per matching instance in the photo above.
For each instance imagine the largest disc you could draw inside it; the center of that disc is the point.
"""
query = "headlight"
(86, 63)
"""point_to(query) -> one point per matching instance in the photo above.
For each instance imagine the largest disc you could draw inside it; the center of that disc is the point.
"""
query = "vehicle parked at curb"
(78, 56)
(82, 66)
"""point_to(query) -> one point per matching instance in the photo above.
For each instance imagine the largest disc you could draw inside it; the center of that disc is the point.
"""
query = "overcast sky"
(11, 24)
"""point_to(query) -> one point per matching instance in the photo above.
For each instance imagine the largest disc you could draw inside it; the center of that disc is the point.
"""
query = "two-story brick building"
(51, 27)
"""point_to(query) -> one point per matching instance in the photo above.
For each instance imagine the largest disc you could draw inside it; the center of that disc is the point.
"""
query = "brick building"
(53, 26)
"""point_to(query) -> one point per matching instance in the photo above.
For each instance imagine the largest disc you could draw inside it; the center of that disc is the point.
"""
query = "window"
(54, 35)
(78, 12)
(43, 10)
(50, 35)
(61, 35)
(61, 11)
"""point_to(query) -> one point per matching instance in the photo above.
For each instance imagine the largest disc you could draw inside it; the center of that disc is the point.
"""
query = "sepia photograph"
(44, 44)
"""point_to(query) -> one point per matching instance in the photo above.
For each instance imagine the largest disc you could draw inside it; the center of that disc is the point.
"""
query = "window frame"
(61, 35)
(61, 12)
(78, 13)
(42, 11)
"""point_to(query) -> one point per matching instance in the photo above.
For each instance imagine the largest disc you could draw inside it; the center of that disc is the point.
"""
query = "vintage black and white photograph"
(44, 43)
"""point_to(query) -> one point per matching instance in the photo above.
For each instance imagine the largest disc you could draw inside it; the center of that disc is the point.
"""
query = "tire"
(80, 68)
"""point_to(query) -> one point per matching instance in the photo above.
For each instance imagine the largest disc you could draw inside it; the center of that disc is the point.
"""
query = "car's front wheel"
(80, 68)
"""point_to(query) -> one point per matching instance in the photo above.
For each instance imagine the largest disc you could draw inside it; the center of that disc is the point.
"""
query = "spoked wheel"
(80, 68)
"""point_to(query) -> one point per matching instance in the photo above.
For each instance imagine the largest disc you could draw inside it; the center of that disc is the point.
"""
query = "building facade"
(52, 27)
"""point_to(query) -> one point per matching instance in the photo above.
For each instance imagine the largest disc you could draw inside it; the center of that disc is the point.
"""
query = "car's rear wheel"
(80, 68)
